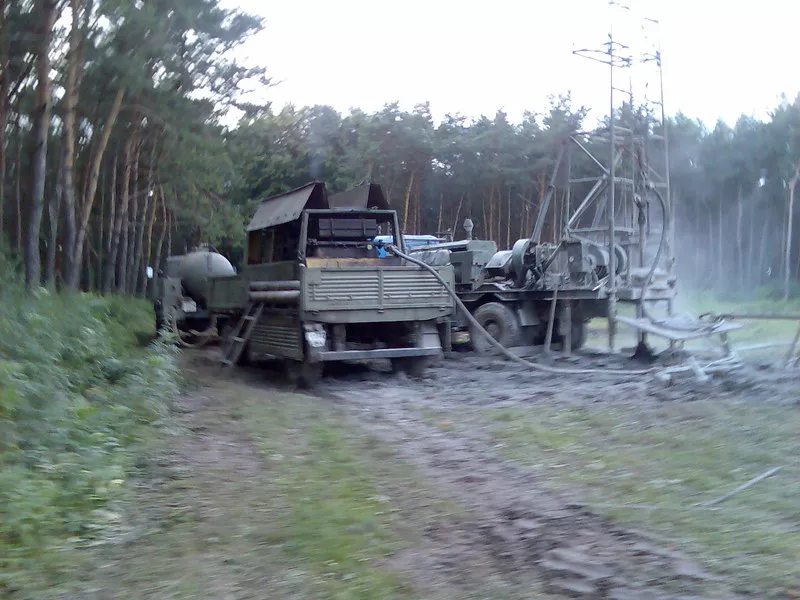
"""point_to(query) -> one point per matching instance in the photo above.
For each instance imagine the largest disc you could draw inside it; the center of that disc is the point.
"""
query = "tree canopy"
(113, 154)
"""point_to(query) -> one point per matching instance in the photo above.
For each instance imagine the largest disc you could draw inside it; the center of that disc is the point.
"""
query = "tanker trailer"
(181, 292)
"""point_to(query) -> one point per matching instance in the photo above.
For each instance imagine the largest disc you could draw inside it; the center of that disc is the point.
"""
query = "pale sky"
(721, 59)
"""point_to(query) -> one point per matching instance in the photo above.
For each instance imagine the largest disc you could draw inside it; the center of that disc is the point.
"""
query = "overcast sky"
(721, 59)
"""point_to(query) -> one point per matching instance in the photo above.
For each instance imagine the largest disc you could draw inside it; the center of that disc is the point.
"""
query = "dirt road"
(468, 483)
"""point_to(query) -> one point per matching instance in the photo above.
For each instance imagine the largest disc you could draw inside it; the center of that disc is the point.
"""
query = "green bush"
(77, 390)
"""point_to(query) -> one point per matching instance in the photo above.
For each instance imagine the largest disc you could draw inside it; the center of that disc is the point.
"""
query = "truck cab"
(314, 265)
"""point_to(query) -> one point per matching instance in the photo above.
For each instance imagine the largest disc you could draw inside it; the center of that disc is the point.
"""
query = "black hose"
(649, 279)
(498, 345)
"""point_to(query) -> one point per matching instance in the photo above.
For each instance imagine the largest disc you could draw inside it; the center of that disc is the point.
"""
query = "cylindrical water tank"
(197, 267)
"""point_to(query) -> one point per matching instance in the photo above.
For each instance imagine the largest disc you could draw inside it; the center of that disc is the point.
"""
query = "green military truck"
(315, 290)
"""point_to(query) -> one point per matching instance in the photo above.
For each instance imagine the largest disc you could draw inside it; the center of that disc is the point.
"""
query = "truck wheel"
(414, 366)
(501, 323)
(302, 373)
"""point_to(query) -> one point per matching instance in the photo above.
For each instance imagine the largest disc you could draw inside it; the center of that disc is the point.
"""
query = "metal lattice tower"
(617, 198)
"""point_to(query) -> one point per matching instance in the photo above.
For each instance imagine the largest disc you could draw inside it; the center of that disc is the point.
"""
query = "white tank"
(195, 269)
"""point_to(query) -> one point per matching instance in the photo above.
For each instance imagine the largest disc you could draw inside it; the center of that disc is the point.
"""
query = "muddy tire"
(303, 374)
(413, 366)
(501, 323)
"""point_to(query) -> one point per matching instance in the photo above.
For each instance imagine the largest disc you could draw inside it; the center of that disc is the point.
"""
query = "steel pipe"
(275, 285)
(285, 296)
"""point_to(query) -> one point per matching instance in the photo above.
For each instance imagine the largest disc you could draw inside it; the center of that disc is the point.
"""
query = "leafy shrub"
(76, 391)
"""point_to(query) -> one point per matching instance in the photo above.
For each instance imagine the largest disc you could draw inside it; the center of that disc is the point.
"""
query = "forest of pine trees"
(113, 154)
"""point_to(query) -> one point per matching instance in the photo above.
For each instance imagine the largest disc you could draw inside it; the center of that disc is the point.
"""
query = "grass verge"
(664, 459)
(268, 494)
(334, 516)
(78, 390)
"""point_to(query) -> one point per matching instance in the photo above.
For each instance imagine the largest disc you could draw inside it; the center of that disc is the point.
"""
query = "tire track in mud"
(518, 532)
(525, 528)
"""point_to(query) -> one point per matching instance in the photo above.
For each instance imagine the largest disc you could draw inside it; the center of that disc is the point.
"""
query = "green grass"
(671, 457)
(336, 522)
(302, 505)
(78, 390)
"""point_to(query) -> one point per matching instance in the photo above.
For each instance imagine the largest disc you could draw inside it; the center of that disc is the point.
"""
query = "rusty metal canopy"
(288, 206)
(368, 195)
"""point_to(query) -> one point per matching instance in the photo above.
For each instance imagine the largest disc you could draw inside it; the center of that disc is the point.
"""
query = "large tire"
(413, 366)
(303, 373)
(502, 324)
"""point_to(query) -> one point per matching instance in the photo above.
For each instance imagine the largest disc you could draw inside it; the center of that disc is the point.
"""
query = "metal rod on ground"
(568, 328)
(765, 316)
(741, 488)
(549, 337)
(790, 354)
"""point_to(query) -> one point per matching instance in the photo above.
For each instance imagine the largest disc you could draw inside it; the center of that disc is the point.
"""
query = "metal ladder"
(238, 340)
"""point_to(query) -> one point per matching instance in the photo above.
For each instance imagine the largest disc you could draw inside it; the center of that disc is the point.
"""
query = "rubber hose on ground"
(498, 345)
(205, 336)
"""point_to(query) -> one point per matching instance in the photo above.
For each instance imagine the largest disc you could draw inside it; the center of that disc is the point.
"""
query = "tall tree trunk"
(171, 223)
(492, 235)
(508, 220)
(122, 262)
(68, 117)
(101, 238)
(70, 207)
(752, 276)
(408, 198)
(439, 220)
(418, 225)
(133, 225)
(164, 228)
(53, 214)
(789, 220)
(93, 176)
(18, 183)
(138, 276)
(109, 276)
(87, 270)
(763, 246)
(148, 243)
(458, 213)
(112, 211)
(485, 228)
(121, 217)
(4, 91)
(46, 10)
(739, 243)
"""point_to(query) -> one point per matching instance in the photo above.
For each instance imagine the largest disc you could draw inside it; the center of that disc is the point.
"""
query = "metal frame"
(603, 192)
